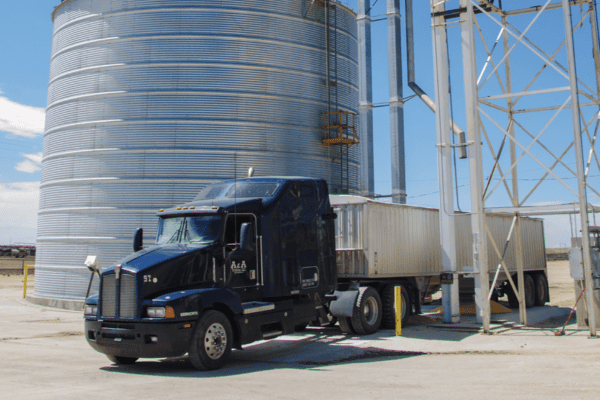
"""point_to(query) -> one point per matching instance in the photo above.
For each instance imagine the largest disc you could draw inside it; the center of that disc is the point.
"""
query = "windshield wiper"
(175, 236)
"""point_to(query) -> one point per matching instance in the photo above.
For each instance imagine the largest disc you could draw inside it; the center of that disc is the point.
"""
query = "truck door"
(241, 265)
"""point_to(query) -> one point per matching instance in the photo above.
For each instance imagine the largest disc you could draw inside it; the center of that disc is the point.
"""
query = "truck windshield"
(189, 230)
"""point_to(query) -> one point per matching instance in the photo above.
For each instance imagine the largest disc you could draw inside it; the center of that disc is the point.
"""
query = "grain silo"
(151, 100)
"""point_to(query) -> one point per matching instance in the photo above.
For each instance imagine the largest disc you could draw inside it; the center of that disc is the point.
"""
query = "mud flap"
(344, 304)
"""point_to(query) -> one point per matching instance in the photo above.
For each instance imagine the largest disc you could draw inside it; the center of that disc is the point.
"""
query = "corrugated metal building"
(150, 100)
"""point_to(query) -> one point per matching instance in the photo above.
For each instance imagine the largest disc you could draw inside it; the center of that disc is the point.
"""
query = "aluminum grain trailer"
(384, 245)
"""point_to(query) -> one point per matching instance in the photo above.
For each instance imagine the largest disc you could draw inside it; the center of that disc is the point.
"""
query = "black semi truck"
(247, 260)
(255, 258)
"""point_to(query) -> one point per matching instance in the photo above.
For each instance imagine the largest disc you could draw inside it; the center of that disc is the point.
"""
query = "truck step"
(257, 306)
(268, 335)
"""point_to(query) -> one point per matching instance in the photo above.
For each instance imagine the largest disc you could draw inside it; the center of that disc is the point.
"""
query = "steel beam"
(365, 101)
(480, 260)
(450, 301)
(410, 63)
(396, 104)
(515, 180)
(585, 238)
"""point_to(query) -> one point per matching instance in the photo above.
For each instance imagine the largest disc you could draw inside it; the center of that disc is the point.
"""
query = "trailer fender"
(415, 294)
(343, 305)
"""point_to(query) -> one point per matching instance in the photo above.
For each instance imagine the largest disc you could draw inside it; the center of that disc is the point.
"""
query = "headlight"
(156, 312)
(90, 309)
(160, 312)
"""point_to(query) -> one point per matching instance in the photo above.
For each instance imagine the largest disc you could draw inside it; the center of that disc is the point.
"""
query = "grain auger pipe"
(410, 60)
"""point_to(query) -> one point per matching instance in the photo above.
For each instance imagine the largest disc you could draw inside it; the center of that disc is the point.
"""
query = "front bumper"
(139, 339)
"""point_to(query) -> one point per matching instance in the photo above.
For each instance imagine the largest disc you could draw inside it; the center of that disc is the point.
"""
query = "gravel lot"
(45, 356)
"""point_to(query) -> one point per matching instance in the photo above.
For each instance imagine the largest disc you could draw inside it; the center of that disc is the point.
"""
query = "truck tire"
(541, 289)
(211, 342)
(346, 325)
(122, 360)
(513, 301)
(389, 314)
(366, 318)
(529, 291)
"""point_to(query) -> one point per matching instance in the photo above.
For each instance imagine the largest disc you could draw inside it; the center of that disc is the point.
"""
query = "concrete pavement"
(45, 356)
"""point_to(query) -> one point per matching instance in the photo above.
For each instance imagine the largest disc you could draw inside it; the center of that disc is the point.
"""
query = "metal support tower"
(396, 105)
(450, 305)
(541, 140)
(475, 166)
(365, 102)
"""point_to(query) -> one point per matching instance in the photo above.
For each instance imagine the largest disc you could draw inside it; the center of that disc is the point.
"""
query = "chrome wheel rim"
(215, 341)
(371, 311)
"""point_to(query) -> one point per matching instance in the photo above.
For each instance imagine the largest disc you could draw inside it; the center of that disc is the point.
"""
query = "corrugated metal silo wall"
(150, 100)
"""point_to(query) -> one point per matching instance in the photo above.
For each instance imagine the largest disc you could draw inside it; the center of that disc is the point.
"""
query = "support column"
(585, 235)
(365, 100)
(396, 105)
(450, 302)
(480, 261)
(515, 180)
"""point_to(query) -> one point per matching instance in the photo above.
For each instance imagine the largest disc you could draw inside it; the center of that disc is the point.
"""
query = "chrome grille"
(127, 296)
(108, 299)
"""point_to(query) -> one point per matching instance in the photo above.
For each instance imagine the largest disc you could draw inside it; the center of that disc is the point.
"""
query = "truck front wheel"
(212, 341)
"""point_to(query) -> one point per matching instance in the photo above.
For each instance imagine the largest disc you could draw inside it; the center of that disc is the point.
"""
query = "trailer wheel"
(122, 360)
(366, 318)
(346, 325)
(389, 313)
(529, 291)
(541, 289)
(513, 301)
(212, 341)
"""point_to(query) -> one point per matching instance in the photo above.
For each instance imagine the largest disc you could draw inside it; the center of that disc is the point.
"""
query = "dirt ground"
(45, 356)
(562, 292)
(15, 263)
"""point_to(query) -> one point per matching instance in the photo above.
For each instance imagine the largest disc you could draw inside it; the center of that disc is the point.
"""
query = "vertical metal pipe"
(515, 179)
(396, 105)
(365, 102)
(480, 260)
(410, 66)
(585, 238)
(595, 45)
(450, 305)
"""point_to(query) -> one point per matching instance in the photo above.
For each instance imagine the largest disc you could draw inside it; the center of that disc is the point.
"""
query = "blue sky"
(25, 46)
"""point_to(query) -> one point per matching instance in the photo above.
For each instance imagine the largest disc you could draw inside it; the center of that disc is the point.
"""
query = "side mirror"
(93, 265)
(138, 240)
(247, 236)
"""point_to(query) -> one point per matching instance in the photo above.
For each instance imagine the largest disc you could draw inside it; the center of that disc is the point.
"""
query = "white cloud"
(21, 120)
(32, 164)
(19, 202)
